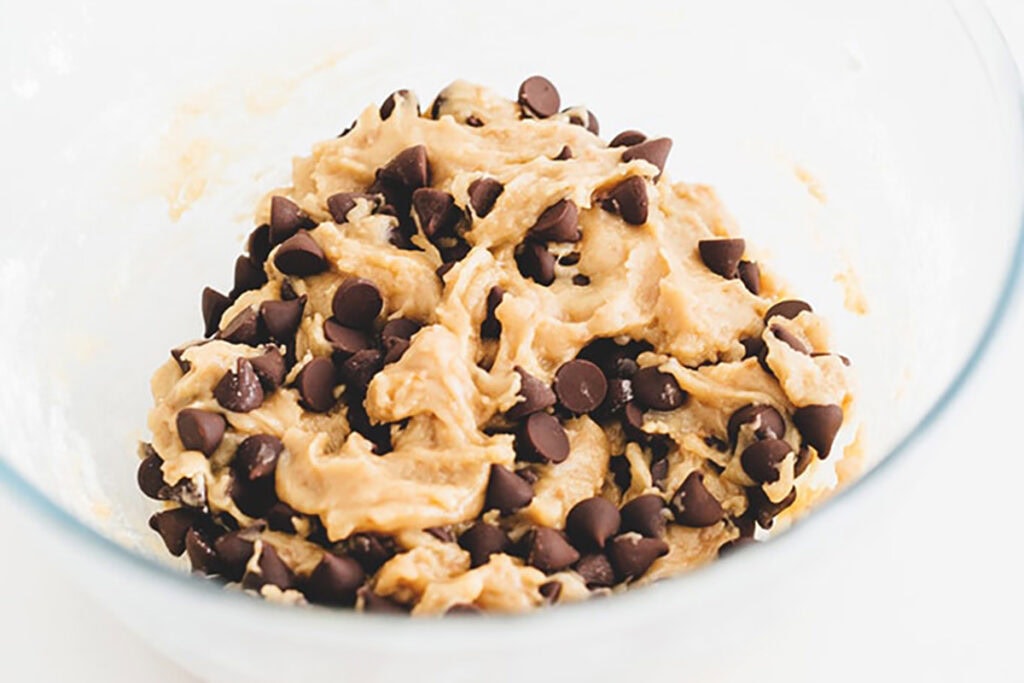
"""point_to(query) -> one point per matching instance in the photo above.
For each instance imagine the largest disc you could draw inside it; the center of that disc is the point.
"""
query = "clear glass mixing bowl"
(870, 148)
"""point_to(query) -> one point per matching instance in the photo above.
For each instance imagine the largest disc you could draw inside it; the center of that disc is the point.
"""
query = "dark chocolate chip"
(657, 390)
(506, 491)
(394, 349)
(288, 291)
(654, 151)
(550, 591)
(528, 475)
(644, 515)
(201, 554)
(172, 525)
(335, 581)
(536, 262)
(564, 155)
(379, 604)
(818, 426)
(463, 609)
(590, 124)
(591, 522)
(788, 309)
(629, 198)
(388, 107)
(270, 368)
(371, 551)
(549, 551)
(580, 386)
(750, 275)
(542, 438)
(399, 328)
(442, 533)
(483, 540)
(286, 219)
(722, 256)
(816, 354)
(581, 280)
(539, 97)
(282, 318)
(359, 369)
(357, 303)
(693, 505)
(344, 340)
(596, 571)
(340, 203)
(316, 385)
(763, 510)
(659, 472)
(627, 138)
(248, 276)
(214, 305)
(761, 459)
(201, 430)
(535, 396)
(178, 354)
(491, 326)
(791, 340)
(570, 259)
(483, 193)
(273, 572)
(244, 328)
(631, 554)
(190, 492)
(409, 169)
(259, 245)
(240, 390)
(558, 223)
(803, 459)
(254, 498)
(377, 434)
(437, 213)
(257, 456)
(348, 129)
(473, 121)
(622, 474)
(233, 553)
(767, 422)
(281, 516)
(620, 392)
(150, 476)
(300, 255)
(633, 421)
(456, 252)
(752, 347)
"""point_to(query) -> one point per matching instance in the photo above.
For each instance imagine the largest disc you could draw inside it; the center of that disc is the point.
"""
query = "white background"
(935, 575)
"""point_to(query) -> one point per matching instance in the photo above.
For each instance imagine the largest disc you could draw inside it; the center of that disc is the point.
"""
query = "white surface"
(918, 595)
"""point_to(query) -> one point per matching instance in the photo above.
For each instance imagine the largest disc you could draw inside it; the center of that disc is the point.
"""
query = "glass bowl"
(872, 154)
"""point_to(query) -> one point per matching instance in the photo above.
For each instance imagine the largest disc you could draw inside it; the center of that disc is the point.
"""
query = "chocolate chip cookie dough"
(478, 359)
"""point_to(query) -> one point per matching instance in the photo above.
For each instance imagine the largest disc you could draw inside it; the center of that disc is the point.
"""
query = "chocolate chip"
(379, 604)
(627, 138)
(288, 291)
(506, 491)
(620, 392)
(653, 151)
(357, 303)
(803, 459)
(214, 305)
(542, 438)
(657, 390)
(316, 385)
(282, 318)
(273, 572)
(763, 510)
(150, 476)
(767, 422)
(377, 434)
(750, 275)
(388, 107)
(442, 533)
(722, 256)
(659, 472)
(189, 491)
(633, 421)
(558, 223)
(788, 309)
(344, 340)
(201, 430)
(644, 515)
(244, 328)
(535, 395)
(630, 199)
(539, 97)
(473, 122)
(591, 522)
(616, 360)
(570, 259)
(409, 169)
(591, 123)
(300, 255)
(371, 551)
(233, 553)
(580, 386)
(815, 354)
(735, 544)
(693, 505)
(400, 328)
(259, 245)
(437, 213)
(785, 336)
(596, 571)
(536, 262)
(394, 349)
(818, 426)
(581, 280)
(463, 609)
(483, 540)
(549, 551)
(550, 592)
(178, 354)
(281, 517)
(564, 155)
(172, 525)
(270, 368)
(483, 193)
(491, 326)
(239, 391)
(357, 371)
(631, 554)
(340, 203)
(752, 347)
(248, 276)
(257, 456)
(761, 459)
(201, 554)
(335, 581)
(254, 498)
(286, 219)
(348, 129)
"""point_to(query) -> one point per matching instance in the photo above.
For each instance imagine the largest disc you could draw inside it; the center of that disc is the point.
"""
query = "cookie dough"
(479, 359)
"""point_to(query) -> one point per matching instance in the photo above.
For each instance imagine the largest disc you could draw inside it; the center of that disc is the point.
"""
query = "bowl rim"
(982, 29)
